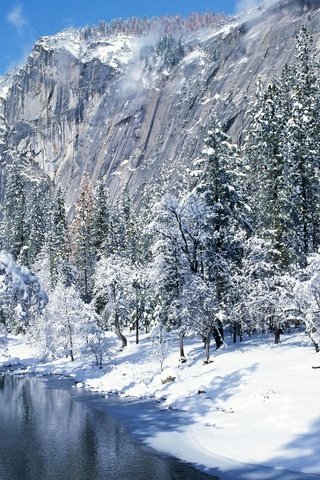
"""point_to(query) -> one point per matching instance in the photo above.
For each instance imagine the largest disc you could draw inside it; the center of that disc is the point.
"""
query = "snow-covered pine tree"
(22, 298)
(254, 304)
(282, 150)
(14, 209)
(102, 228)
(121, 217)
(35, 220)
(220, 187)
(303, 149)
(82, 243)
(226, 219)
(265, 151)
(125, 231)
(57, 239)
(170, 50)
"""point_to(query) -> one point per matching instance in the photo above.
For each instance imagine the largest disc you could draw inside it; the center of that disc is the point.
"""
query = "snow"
(244, 59)
(14, 350)
(195, 56)
(256, 403)
(4, 89)
(189, 130)
(117, 49)
(210, 99)
(5, 85)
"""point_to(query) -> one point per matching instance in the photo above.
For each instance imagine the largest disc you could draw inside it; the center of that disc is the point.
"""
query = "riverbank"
(256, 403)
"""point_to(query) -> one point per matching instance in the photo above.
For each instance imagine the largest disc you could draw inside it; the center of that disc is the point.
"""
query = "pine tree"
(265, 152)
(22, 298)
(57, 241)
(303, 147)
(126, 237)
(252, 286)
(14, 231)
(36, 222)
(282, 146)
(226, 215)
(102, 220)
(225, 218)
(82, 239)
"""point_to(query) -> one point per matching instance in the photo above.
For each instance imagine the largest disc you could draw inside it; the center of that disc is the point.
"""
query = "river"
(51, 431)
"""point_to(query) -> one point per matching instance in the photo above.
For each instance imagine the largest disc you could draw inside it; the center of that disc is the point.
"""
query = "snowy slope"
(256, 403)
(115, 50)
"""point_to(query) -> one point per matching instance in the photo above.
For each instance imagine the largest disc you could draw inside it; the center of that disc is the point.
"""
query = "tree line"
(236, 253)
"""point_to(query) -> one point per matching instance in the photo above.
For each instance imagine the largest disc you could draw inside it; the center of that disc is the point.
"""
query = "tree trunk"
(137, 329)
(207, 347)
(235, 332)
(218, 335)
(240, 332)
(181, 347)
(86, 289)
(118, 332)
(137, 313)
(70, 341)
(315, 343)
(277, 333)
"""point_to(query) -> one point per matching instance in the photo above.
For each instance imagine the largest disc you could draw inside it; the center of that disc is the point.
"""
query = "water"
(50, 431)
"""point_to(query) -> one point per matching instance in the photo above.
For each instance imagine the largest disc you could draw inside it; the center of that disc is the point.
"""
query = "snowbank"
(256, 403)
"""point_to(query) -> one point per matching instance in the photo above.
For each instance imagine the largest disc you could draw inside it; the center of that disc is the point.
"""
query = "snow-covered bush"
(59, 329)
(96, 343)
(70, 327)
(22, 298)
(160, 344)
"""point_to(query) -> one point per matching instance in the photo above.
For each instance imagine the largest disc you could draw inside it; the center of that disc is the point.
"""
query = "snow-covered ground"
(256, 403)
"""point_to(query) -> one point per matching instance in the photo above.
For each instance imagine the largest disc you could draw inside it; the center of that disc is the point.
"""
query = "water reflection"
(46, 434)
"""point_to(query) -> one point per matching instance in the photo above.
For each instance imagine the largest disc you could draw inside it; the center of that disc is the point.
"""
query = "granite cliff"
(123, 105)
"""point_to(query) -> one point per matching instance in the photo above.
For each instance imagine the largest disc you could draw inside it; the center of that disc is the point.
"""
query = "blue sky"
(22, 22)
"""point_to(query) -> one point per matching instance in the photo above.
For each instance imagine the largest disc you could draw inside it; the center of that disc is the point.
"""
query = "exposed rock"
(169, 379)
(112, 106)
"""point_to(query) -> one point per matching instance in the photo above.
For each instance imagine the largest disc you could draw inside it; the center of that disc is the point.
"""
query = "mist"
(246, 5)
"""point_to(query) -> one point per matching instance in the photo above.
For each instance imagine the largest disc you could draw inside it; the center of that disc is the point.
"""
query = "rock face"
(112, 104)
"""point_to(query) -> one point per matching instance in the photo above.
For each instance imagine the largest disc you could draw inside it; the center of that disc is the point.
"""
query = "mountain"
(116, 102)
